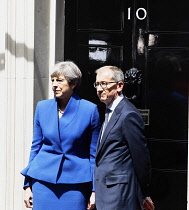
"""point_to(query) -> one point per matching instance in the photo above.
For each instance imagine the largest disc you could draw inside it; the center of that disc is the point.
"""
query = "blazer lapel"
(111, 123)
(115, 116)
(52, 123)
(70, 112)
(58, 125)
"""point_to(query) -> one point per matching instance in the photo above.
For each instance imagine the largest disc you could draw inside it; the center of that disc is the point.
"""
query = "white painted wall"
(27, 45)
(16, 97)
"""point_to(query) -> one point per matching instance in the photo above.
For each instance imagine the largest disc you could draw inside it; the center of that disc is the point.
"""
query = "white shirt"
(113, 105)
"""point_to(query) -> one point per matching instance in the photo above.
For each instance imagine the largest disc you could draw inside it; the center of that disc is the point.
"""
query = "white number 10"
(137, 15)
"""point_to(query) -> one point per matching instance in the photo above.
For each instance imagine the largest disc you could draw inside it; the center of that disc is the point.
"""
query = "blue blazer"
(63, 150)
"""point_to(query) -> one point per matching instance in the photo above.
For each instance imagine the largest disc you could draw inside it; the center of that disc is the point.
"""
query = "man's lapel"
(114, 118)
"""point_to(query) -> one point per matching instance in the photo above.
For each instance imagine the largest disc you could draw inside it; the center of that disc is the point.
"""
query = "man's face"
(108, 94)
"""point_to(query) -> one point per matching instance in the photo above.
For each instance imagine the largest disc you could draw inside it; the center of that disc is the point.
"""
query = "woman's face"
(61, 88)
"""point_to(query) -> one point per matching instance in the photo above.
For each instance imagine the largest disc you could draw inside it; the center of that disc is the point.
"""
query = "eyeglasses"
(102, 84)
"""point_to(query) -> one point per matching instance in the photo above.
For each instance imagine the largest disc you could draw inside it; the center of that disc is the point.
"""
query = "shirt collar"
(113, 105)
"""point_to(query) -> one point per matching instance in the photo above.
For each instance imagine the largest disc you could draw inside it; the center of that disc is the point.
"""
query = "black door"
(149, 40)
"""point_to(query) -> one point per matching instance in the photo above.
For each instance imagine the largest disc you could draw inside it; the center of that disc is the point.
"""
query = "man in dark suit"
(122, 171)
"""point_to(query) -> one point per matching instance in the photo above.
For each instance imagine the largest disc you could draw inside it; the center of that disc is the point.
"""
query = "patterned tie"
(105, 121)
(106, 118)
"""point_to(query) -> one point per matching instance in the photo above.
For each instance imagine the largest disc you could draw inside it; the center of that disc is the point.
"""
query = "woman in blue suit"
(60, 170)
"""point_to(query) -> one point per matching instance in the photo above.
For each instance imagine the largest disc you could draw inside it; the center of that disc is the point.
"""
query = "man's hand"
(91, 203)
(148, 204)
(28, 197)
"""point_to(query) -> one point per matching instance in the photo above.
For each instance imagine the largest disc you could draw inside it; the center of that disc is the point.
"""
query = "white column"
(24, 80)
(3, 102)
(16, 97)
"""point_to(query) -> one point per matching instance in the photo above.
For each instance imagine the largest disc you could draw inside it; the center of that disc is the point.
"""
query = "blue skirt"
(47, 196)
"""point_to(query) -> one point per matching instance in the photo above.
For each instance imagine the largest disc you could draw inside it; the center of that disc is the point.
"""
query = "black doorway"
(150, 42)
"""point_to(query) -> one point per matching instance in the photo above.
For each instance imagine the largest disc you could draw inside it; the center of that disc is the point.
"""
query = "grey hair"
(117, 73)
(70, 71)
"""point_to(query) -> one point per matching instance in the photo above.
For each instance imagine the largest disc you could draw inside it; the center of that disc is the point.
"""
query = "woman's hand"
(28, 197)
(91, 203)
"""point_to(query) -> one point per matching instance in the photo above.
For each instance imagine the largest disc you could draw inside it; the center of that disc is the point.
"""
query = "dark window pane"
(169, 190)
(168, 154)
(166, 15)
(167, 93)
(98, 55)
(167, 40)
(91, 13)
